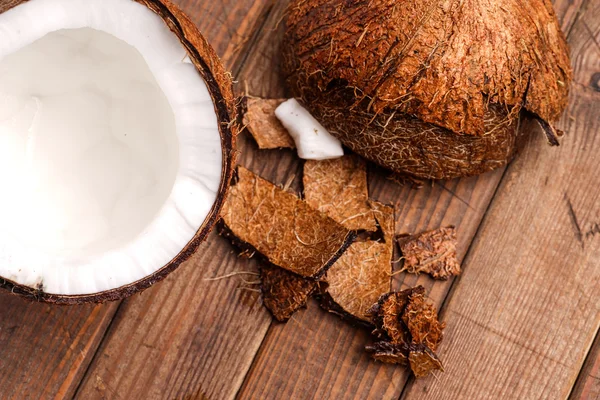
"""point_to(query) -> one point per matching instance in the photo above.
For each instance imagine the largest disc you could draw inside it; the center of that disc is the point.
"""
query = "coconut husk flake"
(339, 188)
(263, 125)
(283, 292)
(363, 273)
(432, 252)
(407, 331)
(283, 229)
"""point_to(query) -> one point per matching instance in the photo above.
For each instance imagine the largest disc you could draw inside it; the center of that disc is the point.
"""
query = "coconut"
(431, 89)
(117, 129)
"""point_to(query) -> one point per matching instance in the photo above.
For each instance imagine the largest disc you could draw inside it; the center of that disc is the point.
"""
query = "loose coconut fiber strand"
(281, 227)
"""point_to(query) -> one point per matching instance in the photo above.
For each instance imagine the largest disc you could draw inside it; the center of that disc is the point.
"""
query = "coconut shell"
(432, 252)
(283, 292)
(433, 89)
(420, 317)
(389, 353)
(423, 361)
(363, 273)
(285, 230)
(220, 86)
(263, 125)
(407, 331)
(339, 188)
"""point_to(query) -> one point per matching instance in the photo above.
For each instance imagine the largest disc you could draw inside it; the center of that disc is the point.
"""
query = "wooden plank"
(191, 336)
(45, 350)
(588, 383)
(315, 355)
(526, 311)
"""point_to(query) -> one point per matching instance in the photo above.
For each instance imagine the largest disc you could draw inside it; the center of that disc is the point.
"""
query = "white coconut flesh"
(110, 152)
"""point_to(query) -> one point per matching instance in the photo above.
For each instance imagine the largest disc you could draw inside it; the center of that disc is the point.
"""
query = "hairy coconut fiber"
(357, 280)
(263, 125)
(283, 292)
(432, 252)
(339, 188)
(429, 88)
(261, 217)
(407, 330)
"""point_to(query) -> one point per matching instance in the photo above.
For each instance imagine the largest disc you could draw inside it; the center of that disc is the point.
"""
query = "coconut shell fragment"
(285, 230)
(357, 279)
(407, 331)
(339, 188)
(283, 292)
(263, 125)
(432, 252)
(432, 89)
(423, 361)
(389, 353)
(363, 273)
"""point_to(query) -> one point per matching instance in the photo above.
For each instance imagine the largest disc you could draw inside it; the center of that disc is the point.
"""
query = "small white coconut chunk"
(110, 152)
(313, 141)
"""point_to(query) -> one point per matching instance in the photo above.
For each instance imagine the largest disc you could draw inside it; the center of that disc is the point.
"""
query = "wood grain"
(588, 383)
(526, 311)
(44, 349)
(191, 336)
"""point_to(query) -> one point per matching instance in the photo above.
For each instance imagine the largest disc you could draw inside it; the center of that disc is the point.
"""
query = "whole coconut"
(429, 88)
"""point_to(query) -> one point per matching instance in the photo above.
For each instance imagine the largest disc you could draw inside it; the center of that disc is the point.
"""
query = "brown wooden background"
(522, 319)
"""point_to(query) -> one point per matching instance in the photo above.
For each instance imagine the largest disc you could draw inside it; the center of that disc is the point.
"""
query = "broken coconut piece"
(263, 125)
(423, 361)
(432, 252)
(407, 328)
(312, 140)
(283, 292)
(287, 232)
(339, 189)
(389, 353)
(363, 273)
(421, 319)
(387, 314)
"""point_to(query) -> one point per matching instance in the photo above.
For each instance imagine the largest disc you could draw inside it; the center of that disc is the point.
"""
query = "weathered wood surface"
(588, 383)
(529, 292)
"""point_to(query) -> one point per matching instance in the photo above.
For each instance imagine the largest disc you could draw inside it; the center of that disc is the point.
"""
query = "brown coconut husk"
(407, 331)
(263, 125)
(339, 188)
(220, 87)
(363, 272)
(432, 252)
(283, 292)
(429, 88)
(263, 218)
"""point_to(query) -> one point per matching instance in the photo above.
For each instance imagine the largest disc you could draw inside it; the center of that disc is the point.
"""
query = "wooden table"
(522, 319)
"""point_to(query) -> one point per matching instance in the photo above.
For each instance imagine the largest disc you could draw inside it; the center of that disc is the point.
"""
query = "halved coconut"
(117, 129)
